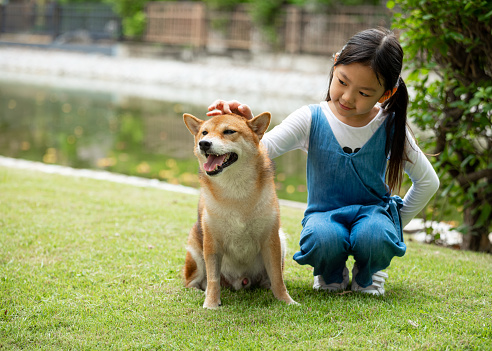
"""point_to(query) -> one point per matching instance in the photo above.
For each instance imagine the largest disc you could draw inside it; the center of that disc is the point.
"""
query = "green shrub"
(448, 48)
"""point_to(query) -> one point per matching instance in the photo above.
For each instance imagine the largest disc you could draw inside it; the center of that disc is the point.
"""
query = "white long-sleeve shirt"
(293, 133)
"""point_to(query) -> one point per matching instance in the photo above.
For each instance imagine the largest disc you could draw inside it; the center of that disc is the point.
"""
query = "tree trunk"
(476, 239)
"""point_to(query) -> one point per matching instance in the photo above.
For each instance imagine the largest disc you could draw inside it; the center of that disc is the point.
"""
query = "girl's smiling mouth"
(344, 107)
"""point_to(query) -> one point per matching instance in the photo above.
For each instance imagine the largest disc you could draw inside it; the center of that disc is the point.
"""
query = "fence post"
(2, 18)
(57, 13)
(198, 23)
(293, 30)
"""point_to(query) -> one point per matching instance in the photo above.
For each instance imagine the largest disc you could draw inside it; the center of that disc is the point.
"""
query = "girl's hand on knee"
(221, 107)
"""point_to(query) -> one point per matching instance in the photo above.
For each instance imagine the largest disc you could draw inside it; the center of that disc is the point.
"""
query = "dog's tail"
(283, 245)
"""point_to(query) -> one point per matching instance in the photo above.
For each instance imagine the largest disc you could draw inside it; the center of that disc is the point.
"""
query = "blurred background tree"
(448, 49)
(132, 14)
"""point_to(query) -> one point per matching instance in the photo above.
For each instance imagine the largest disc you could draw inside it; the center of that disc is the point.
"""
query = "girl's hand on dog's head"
(220, 107)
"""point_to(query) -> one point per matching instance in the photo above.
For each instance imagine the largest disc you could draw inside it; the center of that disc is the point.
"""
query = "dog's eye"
(204, 132)
(228, 131)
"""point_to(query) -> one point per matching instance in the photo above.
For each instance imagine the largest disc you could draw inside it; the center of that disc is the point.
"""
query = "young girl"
(358, 148)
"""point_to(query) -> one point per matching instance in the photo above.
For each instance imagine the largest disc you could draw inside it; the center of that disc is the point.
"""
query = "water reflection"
(128, 135)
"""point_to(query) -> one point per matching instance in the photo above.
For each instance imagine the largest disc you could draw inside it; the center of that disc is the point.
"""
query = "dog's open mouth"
(216, 163)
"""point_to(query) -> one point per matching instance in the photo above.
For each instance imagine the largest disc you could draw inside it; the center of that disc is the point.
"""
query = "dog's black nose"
(205, 145)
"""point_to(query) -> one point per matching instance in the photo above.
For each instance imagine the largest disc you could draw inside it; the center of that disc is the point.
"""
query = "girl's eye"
(363, 94)
(341, 82)
(204, 132)
(228, 131)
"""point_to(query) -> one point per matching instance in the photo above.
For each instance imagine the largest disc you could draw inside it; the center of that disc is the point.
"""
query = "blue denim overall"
(350, 211)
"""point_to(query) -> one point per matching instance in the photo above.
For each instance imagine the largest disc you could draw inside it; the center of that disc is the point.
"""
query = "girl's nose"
(348, 97)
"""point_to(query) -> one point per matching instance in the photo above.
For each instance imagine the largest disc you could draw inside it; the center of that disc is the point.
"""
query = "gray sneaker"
(319, 283)
(377, 287)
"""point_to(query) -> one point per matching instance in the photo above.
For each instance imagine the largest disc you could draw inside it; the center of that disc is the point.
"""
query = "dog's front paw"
(211, 305)
(212, 296)
(289, 301)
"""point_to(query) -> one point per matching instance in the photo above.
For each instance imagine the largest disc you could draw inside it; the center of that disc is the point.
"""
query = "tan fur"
(236, 237)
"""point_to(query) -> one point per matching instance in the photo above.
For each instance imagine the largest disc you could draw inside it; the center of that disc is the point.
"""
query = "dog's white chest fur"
(240, 238)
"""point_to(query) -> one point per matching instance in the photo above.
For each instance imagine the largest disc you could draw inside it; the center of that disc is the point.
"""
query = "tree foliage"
(448, 48)
(132, 13)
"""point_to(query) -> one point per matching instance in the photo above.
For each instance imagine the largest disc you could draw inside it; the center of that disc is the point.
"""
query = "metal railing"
(96, 21)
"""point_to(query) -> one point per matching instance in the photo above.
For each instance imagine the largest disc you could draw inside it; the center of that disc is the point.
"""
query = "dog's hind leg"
(194, 270)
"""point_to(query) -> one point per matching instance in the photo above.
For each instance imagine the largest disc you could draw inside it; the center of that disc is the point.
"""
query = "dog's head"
(224, 140)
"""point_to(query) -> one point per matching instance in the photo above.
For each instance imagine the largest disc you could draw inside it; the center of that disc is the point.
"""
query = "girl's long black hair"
(379, 49)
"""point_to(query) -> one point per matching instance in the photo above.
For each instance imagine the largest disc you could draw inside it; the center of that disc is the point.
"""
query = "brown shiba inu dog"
(236, 240)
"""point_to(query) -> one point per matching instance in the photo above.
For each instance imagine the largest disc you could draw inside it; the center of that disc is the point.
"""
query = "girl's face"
(354, 92)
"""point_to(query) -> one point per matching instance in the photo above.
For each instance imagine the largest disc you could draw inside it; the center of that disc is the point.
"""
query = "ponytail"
(396, 135)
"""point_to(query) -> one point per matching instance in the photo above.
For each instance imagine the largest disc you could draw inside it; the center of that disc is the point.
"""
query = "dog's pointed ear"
(260, 123)
(192, 123)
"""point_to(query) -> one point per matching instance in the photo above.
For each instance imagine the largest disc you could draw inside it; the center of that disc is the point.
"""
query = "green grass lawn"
(88, 264)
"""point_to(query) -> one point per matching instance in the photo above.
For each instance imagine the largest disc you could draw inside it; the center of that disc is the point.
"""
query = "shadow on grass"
(306, 296)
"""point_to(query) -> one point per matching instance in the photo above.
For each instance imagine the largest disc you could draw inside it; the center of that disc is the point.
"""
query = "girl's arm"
(424, 182)
(291, 134)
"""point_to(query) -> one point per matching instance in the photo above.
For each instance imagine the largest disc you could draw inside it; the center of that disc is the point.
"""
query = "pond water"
(108, 131)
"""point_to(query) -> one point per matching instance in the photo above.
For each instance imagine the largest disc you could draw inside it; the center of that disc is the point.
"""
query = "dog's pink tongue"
(213, 161)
